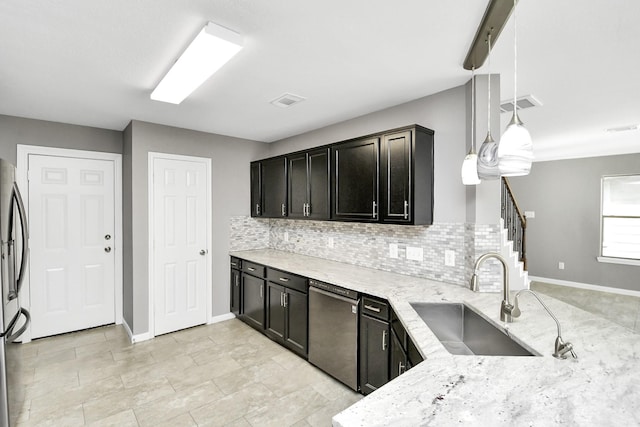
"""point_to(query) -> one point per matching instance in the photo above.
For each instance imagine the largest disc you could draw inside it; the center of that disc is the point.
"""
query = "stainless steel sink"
(463, 331)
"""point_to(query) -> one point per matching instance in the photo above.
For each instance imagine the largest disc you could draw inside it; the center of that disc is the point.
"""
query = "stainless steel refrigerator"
(13, 318)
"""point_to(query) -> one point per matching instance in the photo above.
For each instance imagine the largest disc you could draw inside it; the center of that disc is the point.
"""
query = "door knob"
(203, 251)
(107, 249)
(107, 237)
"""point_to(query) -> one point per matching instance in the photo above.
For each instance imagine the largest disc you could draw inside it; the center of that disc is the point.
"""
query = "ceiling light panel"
(287, 100)
(213, 47)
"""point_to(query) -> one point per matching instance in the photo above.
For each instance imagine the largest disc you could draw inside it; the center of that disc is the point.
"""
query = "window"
(621, 217)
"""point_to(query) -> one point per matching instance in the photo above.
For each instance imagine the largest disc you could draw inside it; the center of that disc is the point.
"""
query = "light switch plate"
(529, 214)
(393, 250)
(561, 265)
(449, 258)
(415, 254)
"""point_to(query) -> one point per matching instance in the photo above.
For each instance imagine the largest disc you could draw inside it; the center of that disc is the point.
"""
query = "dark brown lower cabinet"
(235, 302)
(253, 300)
(374, 354)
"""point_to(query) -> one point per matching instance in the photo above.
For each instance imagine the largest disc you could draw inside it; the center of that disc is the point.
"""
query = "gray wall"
(230, 159)
(443, 112)
(127, 217)
(565, 196)
(17, 130)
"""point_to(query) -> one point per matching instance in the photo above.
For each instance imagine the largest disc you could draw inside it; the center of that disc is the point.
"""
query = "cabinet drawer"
(375, 308)
(236, 263)
(287, 279)
(253, 268)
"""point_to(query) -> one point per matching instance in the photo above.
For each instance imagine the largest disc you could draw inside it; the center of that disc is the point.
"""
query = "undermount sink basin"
(463, 331)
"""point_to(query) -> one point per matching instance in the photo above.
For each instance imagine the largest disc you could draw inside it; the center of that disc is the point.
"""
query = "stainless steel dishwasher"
(333, 331)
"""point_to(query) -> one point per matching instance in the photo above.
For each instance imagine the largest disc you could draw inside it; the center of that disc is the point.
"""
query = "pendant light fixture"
(470, 164)
(488, 152)
(516, 149)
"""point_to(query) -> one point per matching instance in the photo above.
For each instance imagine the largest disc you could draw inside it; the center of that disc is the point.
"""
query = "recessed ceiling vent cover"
(523, 102)
(287, 100)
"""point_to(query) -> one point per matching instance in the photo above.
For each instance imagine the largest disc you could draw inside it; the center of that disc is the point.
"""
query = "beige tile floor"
(225, 374)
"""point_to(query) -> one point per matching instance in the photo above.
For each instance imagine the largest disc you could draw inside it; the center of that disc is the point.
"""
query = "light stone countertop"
(600, 388)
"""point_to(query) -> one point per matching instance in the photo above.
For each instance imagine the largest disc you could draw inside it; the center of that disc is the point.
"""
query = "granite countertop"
(601, 387)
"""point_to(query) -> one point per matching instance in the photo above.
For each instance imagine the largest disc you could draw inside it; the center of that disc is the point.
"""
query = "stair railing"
(514, 221)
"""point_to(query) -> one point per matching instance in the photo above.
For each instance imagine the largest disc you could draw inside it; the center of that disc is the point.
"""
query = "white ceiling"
(94, 63)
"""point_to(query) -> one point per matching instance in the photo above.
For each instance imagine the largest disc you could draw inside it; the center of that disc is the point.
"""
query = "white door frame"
(151, 209)
(23, 152)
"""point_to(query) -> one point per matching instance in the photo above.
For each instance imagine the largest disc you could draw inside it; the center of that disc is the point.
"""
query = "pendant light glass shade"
(488, 152)
(470, 164)
(516, 149)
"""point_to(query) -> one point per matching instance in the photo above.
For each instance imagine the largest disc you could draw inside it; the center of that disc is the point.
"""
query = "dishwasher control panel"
(334, 289)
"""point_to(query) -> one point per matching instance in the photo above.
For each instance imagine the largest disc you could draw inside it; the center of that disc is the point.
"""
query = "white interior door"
(72, 261)
(180, 254)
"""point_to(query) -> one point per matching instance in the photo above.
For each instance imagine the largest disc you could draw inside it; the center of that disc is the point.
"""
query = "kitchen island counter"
(601, 387)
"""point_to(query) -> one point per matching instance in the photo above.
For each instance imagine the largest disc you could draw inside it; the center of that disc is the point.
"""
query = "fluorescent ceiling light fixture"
(213, 47)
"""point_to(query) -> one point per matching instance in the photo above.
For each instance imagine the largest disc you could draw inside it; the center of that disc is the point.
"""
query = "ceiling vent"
(523, 102)
(287, 100)
(624, 128)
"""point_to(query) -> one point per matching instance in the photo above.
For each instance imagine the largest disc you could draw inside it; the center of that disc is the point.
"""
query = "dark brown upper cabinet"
(269, 188)
(355, 180)
(406, 177)
(308, 188)
(385, 178)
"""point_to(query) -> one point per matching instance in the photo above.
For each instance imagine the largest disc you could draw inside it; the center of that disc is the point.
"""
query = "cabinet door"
(275, 312)
(298, 185)
(355, 180)
(398, 357)
(256, 189)
(235, 292)
(297, 307)
(374, 354)
(319, 187)
(253, 300)
(274, 187)
(396, 177)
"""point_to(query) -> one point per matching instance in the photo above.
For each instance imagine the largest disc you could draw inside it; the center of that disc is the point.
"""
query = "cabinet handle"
(401, 368)
(281, 299)
(237, 281)
(251, 269)
(375, 209)
(261, 291)
(286, 300)
(372, 308)
(234, 264)
(406, 210)
(308, 209)
(257, 209)
(384, 340)
(283, 279)
(283, 209)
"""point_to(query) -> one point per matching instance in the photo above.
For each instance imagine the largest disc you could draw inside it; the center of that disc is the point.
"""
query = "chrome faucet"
(561, 348)
(506, 308)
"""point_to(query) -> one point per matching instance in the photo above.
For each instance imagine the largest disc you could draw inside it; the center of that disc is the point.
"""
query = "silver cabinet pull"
(257, 209)
(384, 340)
(372, 308)
(261, 291)
(375, 209)
(234, 264)
(281, 299)
(406, 209)
(251, 269)
(286, 300)
(283, 279)
(237, 281)
(107, 249)
(401, 368)
(283, 209)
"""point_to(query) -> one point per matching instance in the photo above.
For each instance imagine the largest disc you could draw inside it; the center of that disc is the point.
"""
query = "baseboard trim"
(221, 318)
(586, 286)
(135, 338)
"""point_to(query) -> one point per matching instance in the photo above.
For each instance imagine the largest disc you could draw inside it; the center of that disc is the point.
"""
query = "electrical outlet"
(393, 250)
(330, 242)
(561, 265)
(449, 258)
(286, 236)
(529, 214)
(414, 253)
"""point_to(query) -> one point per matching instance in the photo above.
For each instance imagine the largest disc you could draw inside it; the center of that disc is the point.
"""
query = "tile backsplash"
(367, 245)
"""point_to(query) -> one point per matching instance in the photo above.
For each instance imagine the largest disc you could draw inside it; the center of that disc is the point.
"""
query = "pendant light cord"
(515, 56)
(473, 108)
(489, 87)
